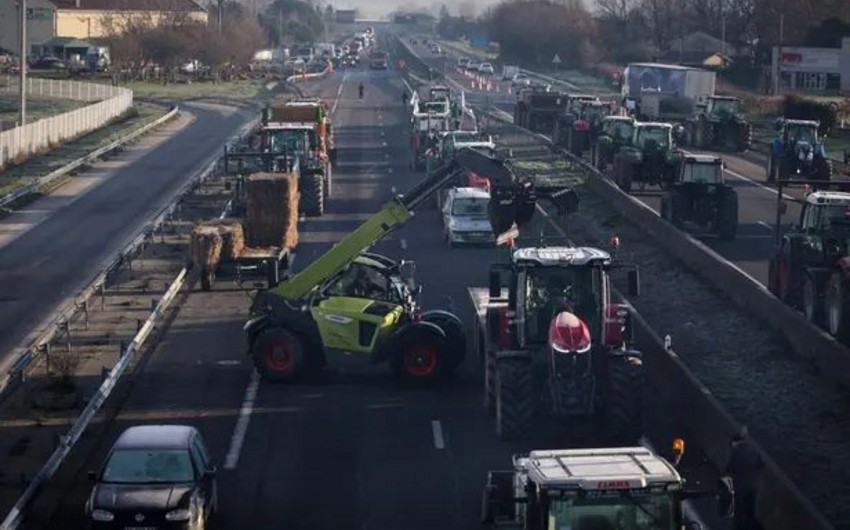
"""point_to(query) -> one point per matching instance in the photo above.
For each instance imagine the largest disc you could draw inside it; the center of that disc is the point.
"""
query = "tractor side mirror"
(633, 280)
(495, 284)
(725, 497)
(783, 207)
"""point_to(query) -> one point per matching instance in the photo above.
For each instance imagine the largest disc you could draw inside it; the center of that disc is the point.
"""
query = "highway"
(753, 245)
(53, 247)
(356, 450)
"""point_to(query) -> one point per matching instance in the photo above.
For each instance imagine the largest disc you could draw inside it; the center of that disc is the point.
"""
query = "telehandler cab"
(365, 304)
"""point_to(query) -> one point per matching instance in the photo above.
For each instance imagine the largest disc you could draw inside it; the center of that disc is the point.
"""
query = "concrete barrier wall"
(781, 506)
(21, 142)
(830, 357)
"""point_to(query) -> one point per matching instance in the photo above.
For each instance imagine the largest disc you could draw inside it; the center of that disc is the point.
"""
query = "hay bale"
(205, 247)
(232, 237)
(272, 217)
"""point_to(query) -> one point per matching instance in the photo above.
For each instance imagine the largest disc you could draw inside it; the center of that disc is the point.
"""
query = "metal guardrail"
(18, 511)
(39, 182)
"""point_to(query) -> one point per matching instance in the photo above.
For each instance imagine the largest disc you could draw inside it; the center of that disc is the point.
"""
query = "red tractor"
(550, 335)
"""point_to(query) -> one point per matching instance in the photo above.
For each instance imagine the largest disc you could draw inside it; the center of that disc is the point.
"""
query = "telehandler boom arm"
(512, 202)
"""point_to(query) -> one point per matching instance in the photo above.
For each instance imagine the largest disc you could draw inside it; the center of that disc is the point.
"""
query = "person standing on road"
(404, 97)
(744, 467)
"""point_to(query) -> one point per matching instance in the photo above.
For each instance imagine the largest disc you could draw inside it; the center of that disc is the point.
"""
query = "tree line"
(620, 31)
(144, 48)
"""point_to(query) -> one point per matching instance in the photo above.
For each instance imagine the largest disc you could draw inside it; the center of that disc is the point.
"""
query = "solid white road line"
(437, 431)
(241, 428)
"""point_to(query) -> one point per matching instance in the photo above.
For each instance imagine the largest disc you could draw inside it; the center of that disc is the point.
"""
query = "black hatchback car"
(155, 477)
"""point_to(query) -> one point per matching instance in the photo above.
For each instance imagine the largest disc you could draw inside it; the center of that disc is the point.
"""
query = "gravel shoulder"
(793, 415)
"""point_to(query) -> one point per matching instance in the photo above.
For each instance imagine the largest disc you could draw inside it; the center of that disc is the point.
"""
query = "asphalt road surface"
(753, 245)
(358, 450)
(56, 257)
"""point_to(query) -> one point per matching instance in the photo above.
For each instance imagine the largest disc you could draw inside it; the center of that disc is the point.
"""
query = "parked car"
(486, 69)
(155, 476)
(465, 217)
(48, 63)
(473, 65)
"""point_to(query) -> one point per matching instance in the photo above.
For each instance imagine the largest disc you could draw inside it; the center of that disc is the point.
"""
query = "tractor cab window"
(289, 141)
(550, 290)
(362, 281)
(722, 106)
(828, 218)
(609, 512)
(801, 133)
(702, 173)
(657, 135)
(621, 130)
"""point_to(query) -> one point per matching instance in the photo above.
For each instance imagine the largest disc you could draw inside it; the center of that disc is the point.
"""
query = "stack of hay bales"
(272, 218)
(216, 241)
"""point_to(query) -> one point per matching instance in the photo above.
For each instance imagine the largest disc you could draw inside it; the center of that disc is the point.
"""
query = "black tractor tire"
(792, 252)
(710, 138)
(207, 279)
(420, 357)
(745, 136)
(515, 401)
(838, 307)
(328, 184)
(624, 406)
(726, 223)
(624, 177)
(823, 168)
(488, 367)
(455, 344)
(312, 189)
(595, 159)
(813, 302)
(279, 355)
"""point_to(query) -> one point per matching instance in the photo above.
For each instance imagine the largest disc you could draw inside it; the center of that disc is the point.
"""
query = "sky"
(375, 8)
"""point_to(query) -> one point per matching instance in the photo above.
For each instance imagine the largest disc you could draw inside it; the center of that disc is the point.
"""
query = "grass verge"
(242, 89)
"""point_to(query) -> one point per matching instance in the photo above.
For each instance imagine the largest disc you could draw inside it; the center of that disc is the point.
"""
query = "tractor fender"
(442, 313)
(254, 327)
(419, 326)
(618, 352)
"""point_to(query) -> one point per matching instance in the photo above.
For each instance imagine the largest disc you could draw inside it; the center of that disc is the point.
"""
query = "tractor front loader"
(351, 301)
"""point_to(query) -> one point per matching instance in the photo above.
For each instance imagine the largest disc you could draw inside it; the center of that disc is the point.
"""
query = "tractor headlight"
(179, 515)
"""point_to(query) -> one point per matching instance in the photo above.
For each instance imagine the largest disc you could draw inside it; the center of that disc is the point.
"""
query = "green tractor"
(614, 133)
(719, 125)
(651, 158)
(355, 302)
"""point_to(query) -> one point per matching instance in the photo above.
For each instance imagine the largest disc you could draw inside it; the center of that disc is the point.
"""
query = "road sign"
(556, 59)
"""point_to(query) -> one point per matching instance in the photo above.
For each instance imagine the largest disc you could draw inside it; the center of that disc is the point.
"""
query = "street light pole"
(23, 114)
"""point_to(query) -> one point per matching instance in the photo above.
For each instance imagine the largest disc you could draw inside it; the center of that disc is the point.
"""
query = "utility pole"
(777, 80)
(23, 115)
(220, 2)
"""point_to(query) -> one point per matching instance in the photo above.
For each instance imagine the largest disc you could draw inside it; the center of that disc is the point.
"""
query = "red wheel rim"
(278, 356)
(420, 360)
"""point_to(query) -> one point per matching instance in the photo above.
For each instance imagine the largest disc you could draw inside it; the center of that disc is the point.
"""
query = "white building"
(813, 69)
